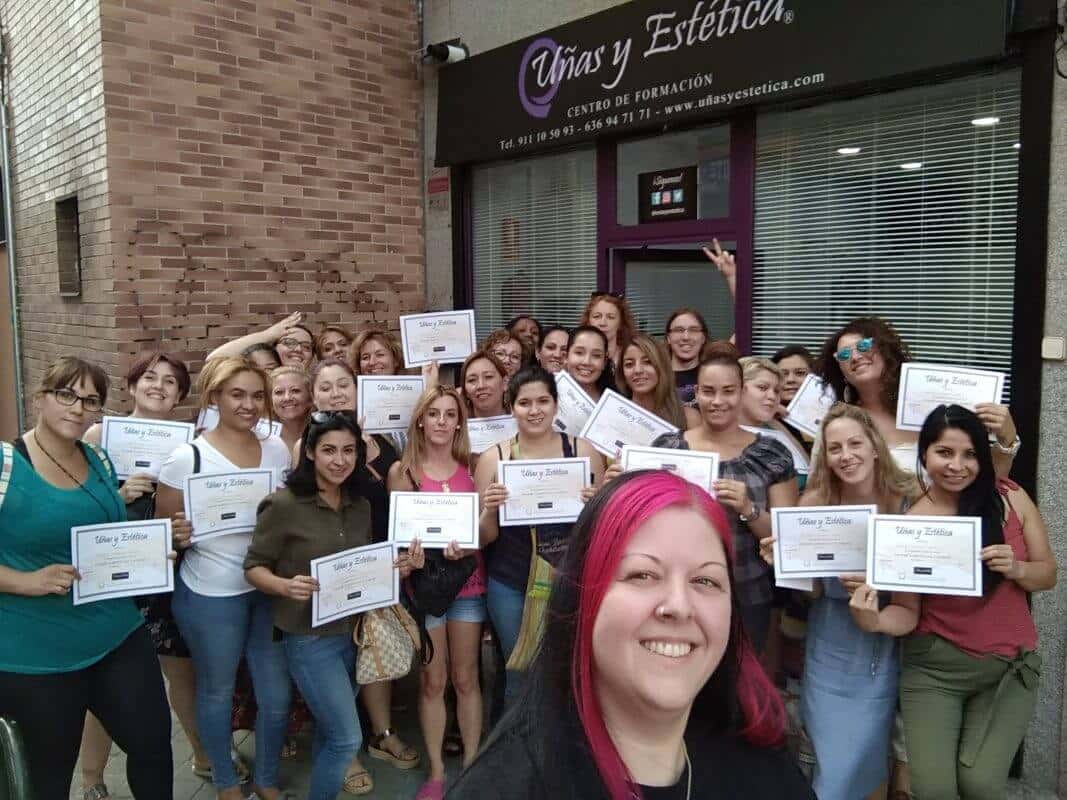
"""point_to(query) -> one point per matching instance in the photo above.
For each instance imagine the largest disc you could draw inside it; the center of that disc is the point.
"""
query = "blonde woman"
(849, 691)
(760, 404)
(437, 459)
(221, 616)
(290, 395)
(647, 379)
(333, 341)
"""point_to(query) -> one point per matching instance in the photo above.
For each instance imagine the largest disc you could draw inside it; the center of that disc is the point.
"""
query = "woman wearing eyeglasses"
(291, 339)
(862, 360)
(508, 348)
(552, 348)
(610, 314)
(587, 361)
(221, 616)
(686, 335)
(646, 379)
(319, 513)
(58, 660)
(157, 382)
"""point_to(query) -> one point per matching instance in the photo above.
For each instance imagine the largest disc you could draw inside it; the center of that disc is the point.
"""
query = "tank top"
(372, 486)
(999, 624)
(459, 481)
(510, 555)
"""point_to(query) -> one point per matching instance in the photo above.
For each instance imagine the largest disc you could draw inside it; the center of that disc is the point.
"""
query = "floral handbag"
(388, 639)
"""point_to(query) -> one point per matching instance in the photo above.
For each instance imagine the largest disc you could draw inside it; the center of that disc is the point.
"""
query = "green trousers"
(964, 717)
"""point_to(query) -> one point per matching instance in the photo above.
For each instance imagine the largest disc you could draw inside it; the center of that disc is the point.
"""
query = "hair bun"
(720, 349)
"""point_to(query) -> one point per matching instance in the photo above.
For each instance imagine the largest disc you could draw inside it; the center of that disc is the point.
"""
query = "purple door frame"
(736, 227)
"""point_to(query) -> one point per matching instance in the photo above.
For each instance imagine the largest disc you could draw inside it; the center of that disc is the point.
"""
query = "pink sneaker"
(431, 790)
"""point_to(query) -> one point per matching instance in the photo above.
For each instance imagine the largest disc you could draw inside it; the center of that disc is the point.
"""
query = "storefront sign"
(667, 195)
(653, 63)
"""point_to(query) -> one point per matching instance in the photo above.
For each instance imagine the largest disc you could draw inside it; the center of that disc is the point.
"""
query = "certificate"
(800, 458)
(929, 555)
(386, 404)
(542, 491)
(434, 518)
(221, 503)
(208, 419)
(696, 467)
(446, 337)
(923, 387)
(140, 446)
(484, 432)
(121, 559)
(574, 407)
(617, 421)
(810, 404)
(820, 541)
(352, 581)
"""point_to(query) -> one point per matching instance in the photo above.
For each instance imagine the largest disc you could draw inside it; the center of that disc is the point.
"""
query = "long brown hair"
(891, 482)
(627, 324)
(415, 449)
(664, 397)
(888, 344)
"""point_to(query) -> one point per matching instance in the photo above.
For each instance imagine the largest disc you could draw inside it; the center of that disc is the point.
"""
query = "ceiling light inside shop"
(985, 122)
(849, 151)
(911, 165)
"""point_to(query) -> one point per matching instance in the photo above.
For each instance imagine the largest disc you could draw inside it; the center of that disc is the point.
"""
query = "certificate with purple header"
(923, 387)
(446, 337)
(820, 541)
(353, 581)
(121, 559)
(809, 405)
(616, 422)
(928, 555)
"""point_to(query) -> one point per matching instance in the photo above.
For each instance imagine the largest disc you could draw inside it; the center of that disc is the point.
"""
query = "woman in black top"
(645, 685)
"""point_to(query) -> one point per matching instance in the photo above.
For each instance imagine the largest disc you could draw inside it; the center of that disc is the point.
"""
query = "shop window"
(900, 205)
(534, 238)
(656, 176)
(68, 247)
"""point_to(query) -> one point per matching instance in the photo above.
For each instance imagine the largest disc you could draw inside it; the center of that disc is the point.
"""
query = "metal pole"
(9, 224)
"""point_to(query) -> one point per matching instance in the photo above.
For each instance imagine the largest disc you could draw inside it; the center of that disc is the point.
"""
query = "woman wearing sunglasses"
(292, 341)
(221, 616)
(862, 360)
(319, 513)
(58, 660)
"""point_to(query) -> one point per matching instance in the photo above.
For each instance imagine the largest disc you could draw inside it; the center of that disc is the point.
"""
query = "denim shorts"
(463, 609)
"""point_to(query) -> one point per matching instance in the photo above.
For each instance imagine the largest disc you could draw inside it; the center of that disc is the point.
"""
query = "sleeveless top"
(459, 481)
(510, 556)
(372, 486)
(998, 624)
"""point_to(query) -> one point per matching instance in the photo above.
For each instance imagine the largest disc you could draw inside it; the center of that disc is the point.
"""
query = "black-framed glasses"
(293, 344)
(68, 397)
(862, 346)
(692, 330)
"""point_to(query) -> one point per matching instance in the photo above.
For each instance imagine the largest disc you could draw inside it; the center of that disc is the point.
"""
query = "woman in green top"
(58, 660)
(319, 513)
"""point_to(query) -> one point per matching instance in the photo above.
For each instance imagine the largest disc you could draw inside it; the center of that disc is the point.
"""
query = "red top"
(460, 481)
(999, 623)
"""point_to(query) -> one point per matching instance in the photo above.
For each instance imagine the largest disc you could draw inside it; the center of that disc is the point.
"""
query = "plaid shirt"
(762, 464)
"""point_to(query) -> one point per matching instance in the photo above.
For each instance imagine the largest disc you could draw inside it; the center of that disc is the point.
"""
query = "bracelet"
(756, 511)
(1008, 450)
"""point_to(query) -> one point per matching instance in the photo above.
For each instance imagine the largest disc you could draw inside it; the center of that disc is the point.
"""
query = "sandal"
(431, 790)
(360, 782)
(407, 757)
(97, 791)
(244, 773)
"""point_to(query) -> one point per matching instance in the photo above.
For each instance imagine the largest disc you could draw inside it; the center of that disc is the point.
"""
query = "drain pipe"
(9, 225)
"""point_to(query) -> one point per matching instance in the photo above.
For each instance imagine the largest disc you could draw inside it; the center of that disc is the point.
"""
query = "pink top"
(460, 481)
(999, 623)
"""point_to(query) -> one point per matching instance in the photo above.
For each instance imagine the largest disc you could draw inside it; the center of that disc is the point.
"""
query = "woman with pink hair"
(645, 685)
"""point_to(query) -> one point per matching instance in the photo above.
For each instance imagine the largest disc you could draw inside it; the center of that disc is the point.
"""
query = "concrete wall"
(58, 149)
(264, 159)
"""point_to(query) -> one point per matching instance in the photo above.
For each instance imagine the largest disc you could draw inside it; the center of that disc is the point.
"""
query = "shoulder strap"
(568, 445)
(7, 453)
(102, 457)
(411, 477)
(516, 454)
(196, 458)
(1005, 486)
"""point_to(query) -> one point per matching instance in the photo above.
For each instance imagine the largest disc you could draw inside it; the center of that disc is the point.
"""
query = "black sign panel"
(667, 195)
(651, 63)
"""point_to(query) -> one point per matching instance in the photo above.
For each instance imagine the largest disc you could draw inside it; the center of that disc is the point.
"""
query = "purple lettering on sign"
(537, 106)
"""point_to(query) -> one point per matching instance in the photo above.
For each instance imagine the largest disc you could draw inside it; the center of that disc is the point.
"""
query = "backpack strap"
(7, 453)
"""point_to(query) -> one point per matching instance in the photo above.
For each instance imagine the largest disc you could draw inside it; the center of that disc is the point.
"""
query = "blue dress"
(848, 698)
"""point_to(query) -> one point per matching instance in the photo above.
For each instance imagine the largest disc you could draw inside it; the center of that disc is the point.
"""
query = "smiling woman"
(645, 685)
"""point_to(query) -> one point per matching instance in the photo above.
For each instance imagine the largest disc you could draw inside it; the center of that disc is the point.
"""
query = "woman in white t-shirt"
(220, 615)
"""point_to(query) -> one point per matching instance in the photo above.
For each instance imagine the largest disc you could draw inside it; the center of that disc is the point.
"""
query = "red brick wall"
(263, 158)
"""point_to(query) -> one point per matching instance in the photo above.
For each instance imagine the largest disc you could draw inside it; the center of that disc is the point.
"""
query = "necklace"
(688, 771)
(80, 485)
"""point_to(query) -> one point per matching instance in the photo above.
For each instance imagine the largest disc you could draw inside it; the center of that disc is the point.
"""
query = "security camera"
(447, 52)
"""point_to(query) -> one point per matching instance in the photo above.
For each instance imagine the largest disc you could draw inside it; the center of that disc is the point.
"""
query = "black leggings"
(125, 692)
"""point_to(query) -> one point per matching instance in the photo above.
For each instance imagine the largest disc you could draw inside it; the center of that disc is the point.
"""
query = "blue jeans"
(219, 630)
(322, 667)
(505, 611)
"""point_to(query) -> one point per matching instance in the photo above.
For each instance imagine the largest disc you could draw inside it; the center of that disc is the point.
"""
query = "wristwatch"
(1009, 450)
(756, 511)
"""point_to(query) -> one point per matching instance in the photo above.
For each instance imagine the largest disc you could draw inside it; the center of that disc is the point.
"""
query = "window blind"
(534, 239)
(900, 205)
